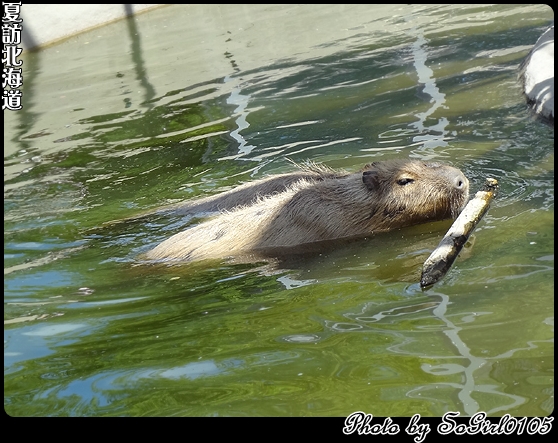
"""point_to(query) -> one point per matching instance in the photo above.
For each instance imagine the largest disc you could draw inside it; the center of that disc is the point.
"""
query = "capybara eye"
(405, 181)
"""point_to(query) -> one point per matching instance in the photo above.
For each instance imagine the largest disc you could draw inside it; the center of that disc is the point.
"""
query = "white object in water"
(537, 76)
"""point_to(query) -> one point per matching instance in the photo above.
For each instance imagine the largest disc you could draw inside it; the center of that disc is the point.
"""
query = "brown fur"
(320, 204)
(251, 192)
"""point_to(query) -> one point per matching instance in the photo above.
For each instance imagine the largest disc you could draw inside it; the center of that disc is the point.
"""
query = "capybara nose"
(456, 178)
(460, 181)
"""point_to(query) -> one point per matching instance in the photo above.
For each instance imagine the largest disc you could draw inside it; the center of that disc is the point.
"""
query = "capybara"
(318, 204)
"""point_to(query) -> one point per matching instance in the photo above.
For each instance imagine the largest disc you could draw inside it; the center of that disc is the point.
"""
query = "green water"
(186, 101)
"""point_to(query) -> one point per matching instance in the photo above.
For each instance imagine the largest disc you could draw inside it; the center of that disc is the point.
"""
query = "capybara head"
(411, 192)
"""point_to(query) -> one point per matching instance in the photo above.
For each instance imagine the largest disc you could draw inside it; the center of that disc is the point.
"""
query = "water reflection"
(241, 113)
(470, 365)
(434, 135)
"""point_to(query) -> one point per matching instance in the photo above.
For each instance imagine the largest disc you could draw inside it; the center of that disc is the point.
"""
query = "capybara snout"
(317, 203)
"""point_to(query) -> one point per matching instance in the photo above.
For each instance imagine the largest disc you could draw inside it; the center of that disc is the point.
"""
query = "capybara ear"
(370, 179)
